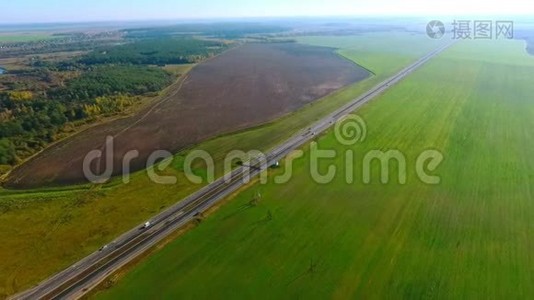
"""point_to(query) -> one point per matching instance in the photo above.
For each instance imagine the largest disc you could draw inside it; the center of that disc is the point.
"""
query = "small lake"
(2, 71)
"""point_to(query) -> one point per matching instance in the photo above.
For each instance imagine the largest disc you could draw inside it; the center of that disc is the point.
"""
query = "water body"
(2, 71)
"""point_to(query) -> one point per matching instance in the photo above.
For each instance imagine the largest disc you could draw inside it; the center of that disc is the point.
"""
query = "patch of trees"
(7, 152)
(113, 80)
(27, 125)
(28, 122)
(51, 46)
(160, 51)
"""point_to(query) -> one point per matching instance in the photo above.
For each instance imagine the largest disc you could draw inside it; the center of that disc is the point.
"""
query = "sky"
(51, 11)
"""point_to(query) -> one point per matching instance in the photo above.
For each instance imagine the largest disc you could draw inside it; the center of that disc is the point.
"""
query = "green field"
(24, 37)
(45, 231)
(468, 237)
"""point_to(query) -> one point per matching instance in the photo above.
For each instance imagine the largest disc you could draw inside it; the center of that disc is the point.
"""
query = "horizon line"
(250, 18)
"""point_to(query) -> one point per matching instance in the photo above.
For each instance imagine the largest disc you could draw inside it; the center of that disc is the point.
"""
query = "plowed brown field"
(244, 87)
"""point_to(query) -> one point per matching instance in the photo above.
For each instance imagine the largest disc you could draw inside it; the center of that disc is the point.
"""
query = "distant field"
(44, 231)
(466, 238)
(10, 38)
(395, 50)
(21, 63)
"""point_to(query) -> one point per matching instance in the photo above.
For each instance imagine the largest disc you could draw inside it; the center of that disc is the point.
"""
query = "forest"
(46, 100)
(158, 51)
(111, 80)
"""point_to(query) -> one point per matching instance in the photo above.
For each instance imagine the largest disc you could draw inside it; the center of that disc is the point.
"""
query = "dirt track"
(244, 87)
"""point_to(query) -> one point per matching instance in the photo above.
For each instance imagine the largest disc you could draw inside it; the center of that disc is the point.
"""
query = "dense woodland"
(103, 82)
(112, 80)
(158, 51)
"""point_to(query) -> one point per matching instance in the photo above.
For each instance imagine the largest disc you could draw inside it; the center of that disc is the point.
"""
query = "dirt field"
(244, 87)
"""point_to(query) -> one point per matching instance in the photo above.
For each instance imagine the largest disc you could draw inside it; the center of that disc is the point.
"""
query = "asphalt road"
(85, 275)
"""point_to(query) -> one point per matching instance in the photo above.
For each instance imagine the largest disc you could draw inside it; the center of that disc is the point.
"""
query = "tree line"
(155, 51)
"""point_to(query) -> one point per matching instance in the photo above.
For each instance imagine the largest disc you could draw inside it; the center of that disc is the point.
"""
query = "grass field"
(467, 238)
(44, 231)
(178, 70)
(29, 37)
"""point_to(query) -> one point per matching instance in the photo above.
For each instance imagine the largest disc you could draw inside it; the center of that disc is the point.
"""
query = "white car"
(147, 224)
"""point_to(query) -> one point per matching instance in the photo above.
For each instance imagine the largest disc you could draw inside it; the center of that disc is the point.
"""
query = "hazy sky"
(35, 11)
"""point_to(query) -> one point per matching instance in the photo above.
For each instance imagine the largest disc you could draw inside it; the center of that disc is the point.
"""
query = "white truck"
(146, 225)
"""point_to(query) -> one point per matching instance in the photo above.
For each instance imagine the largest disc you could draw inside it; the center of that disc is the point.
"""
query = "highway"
(77, 280)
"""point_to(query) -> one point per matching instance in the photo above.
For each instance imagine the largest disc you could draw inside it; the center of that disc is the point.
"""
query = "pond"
(2, 71)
